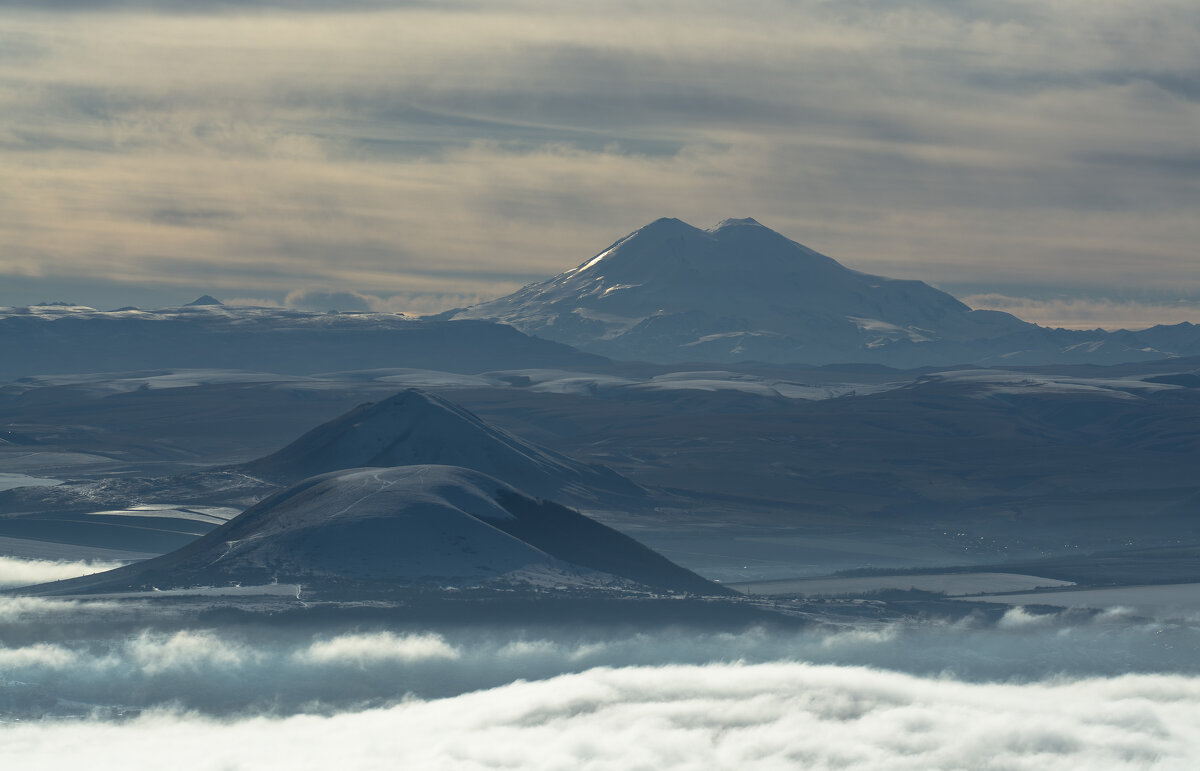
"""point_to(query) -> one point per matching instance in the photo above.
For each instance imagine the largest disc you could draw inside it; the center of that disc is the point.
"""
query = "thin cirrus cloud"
(467, 148)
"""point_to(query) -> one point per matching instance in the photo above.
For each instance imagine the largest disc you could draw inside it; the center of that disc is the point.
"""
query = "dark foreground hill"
(142, 513)
(414, 528)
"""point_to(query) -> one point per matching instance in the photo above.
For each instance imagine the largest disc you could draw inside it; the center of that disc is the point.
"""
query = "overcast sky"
(1041, 156)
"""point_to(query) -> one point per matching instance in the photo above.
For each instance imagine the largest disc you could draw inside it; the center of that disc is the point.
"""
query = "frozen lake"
(1167, 598)
(952, 584)
(9, 481)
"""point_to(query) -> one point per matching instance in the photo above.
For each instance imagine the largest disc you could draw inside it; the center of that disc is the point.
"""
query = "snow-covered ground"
(998, 381)
(209, 515)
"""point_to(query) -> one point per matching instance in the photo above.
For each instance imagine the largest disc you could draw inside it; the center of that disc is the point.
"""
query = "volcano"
(414, 427)
(670, 292)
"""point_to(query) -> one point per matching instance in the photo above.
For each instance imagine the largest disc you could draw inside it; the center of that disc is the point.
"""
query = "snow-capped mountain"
(414, 427)
(413, 527)
(670, 292)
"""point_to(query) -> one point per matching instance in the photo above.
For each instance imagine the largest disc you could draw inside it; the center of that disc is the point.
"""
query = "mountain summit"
(738, 291)
(206, 299)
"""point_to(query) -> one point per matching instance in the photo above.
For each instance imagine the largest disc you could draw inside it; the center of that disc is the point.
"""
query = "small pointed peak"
(411, 396)
(204, 300)
(666, 225)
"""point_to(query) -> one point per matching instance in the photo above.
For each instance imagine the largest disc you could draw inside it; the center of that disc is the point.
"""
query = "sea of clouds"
(78, 684)
(715, 716)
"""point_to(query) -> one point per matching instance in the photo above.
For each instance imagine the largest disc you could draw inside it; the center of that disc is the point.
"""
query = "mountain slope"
(418, 527)
(414, 427)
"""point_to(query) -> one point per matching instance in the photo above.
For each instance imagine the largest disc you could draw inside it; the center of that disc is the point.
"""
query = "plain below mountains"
(420, 528)
(56, 339)
(670, 292)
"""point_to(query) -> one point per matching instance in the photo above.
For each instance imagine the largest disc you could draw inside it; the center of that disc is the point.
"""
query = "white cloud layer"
(379, 647)
(132, 657)
(1031, 691)
(719, 716)
(437, 150)
(22, 572)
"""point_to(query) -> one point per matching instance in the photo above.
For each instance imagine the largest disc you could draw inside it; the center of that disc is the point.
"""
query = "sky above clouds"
(1038, 156)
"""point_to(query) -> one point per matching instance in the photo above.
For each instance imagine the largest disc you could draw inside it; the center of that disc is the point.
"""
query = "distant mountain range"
(670, 292)
(45, 340)
(666, 293)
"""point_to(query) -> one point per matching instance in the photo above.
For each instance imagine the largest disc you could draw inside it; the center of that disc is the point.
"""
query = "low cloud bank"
(20, 572)
(717, 716)
(100, 683)
(411, 303)
(72, 658)
(365, 649)
(1089, 313)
